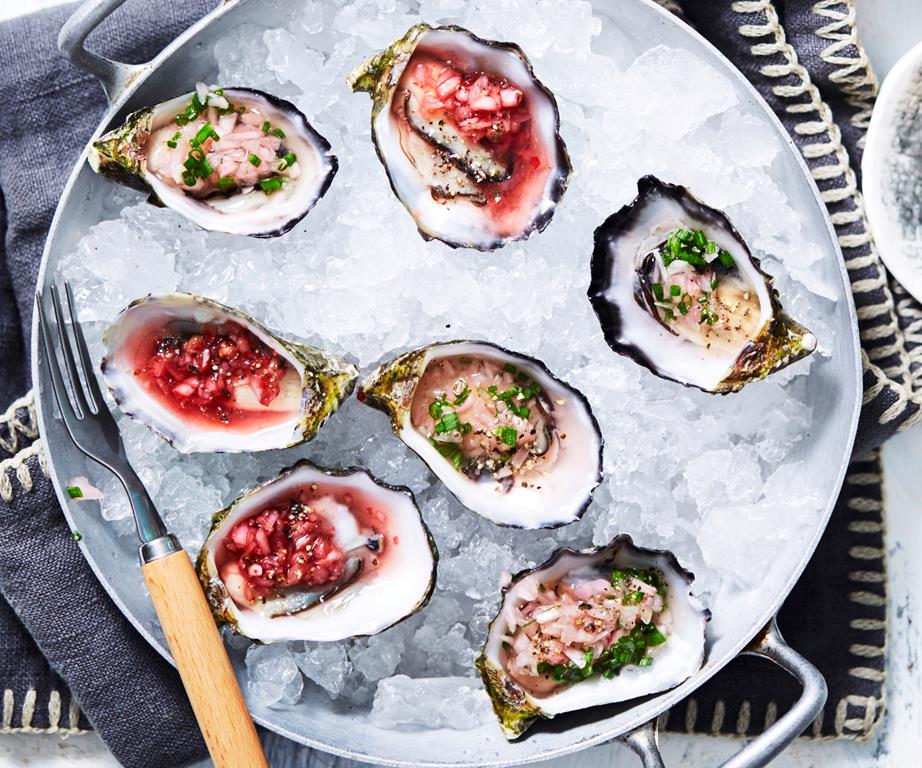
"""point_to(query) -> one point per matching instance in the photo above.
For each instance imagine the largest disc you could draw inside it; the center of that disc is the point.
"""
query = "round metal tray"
(834, 392)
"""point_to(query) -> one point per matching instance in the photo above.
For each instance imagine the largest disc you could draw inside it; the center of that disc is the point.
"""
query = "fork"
(178, 599)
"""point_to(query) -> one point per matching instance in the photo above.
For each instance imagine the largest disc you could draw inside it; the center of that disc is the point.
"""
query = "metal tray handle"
(768, 644)
(114, 76)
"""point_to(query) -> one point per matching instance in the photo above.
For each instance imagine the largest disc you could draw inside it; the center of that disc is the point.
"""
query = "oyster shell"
(207, 377)
(644, 633)
(467, 134)
(318, 554)
(508, 439)
(676, 288)
(232, 160)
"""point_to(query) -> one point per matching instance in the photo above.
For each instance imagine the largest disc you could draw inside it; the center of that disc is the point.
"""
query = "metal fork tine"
(80, 398)
(86, 363)
(57, 380)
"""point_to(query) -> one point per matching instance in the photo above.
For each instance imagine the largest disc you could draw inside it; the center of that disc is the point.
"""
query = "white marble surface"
(888, 29)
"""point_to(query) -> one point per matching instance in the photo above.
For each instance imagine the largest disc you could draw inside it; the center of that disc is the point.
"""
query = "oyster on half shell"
(511, 441)
(209, 378)
(232, 160)
(676, 288)
(318, 554)
(467, 134)
(588, 628)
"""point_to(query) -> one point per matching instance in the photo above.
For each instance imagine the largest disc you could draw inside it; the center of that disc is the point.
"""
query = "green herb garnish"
(449, 451)
(270, 185)
(629, 649)
(74, 492)
(507, 435)
(254, 160)
(449, 423)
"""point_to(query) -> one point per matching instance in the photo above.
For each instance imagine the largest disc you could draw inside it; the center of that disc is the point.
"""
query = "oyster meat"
(207, 377)
(468, 135)
(318, 554)
(509, 440)
(676, 288)
(229, 159)
(588, 628)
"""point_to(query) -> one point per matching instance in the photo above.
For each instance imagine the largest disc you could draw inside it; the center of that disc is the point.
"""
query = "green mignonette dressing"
(631, 649)
(196, 164)
(517, 399)
(693, 247)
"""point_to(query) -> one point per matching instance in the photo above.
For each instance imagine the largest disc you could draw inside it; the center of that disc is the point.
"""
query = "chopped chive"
(449, 423)
(714, 284)
(254, 160)
(205, 170)
(699, 238)
(682, 307)
(206, 132)
(435, 410)
(74, 492)
(646, 661)
(633, 598)
(270, 185)
(683, 234)
(278, 132)
(674, 290)
(188, 178)
(76, 536)
(510, 368)
(524, 411)
(725, 258)
(449, 451)
(658, 291)
(266, 127)
(461, 398)
(225, 182)
(711, 247)
(290, 159)
(507, 435)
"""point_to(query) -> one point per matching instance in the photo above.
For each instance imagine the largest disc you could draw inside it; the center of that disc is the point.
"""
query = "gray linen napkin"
(67, 626)
(744, 31)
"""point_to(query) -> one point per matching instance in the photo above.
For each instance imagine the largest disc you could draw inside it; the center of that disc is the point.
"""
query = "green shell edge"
(514, 712)
(390, 387)
(118, 154)
(780, 343)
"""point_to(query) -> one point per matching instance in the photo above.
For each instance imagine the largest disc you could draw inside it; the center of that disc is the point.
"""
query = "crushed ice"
(683, 469)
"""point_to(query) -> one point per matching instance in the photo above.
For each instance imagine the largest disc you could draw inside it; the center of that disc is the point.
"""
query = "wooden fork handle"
(202, 661)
